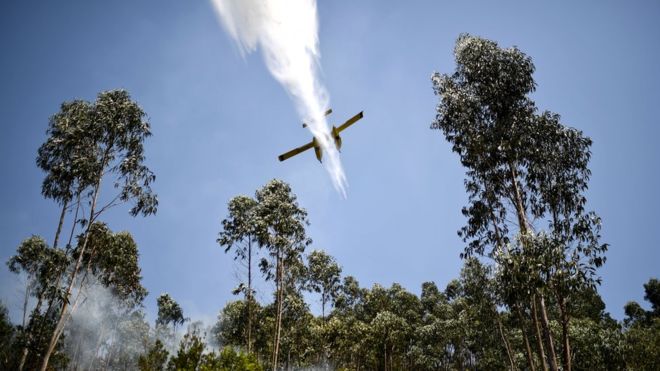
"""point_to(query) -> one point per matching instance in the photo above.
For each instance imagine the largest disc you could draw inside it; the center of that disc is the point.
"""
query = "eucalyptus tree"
(169, 312)
(42, 266)
(283, 235)
(114, 128)
(240, 232)
(155, 359)
(110, 292)
(6, 338)
(189, 356)
(642, 330)
(349, 294)
(478, 291)
(521, 166)
(231, 326)
(67, 157)
(112, 259)
(324, 277)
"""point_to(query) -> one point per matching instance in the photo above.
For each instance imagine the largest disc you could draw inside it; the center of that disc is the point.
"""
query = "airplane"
(315, 143)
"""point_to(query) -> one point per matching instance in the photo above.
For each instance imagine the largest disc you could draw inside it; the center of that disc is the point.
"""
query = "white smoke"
(286, 31)
(103, 332)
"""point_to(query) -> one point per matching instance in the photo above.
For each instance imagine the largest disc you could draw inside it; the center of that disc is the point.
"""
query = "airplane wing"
(296, 151)
(350, 122)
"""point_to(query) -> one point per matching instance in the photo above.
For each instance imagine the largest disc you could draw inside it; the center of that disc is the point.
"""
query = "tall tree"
(324, 277)
(42, 266)
(115, 130)
(283, 235)
(111, 280)
(66, 157)
(240, 231)
(642, 335)
(169, 312)
(521, 166)
(6, 338)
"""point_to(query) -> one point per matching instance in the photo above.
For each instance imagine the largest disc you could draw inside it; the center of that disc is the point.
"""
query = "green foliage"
(189, 355)
(283, 230)
(35, 338)
(67, 156)
(231, 326)
(521, 165)
(596, 345)
(241, 227)
(42, 265)
(230, 360)
(155, 359)
(87, 141)
(169, 311)
(113, 259)
(6, 339)
(642, 349)
(642, 336)
(652, 295)
(324, 276)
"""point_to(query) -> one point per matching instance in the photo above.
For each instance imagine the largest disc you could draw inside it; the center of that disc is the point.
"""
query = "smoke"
(286, 31)
(105, 332)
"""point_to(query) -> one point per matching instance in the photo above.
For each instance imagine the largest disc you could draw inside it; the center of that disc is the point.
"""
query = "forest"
(526, 297)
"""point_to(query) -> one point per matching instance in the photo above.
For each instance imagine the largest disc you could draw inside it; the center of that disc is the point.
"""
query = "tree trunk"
(528, 348)
(517, 200)
(566, 354)
(539, 337)
(25, 350)
(68, 245)
(524, 229)
(505, 341)
(59, 225)
(249, 297)
(60, 322)
(279, 296)
(548, 335)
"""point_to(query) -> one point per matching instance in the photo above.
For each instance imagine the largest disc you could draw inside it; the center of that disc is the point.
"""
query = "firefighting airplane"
(315, 143)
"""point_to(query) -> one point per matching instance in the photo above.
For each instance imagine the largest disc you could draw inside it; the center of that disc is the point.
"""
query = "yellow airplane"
(315, 143)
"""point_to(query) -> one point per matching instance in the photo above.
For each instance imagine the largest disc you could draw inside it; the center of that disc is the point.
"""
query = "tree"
(520, 164)
(112, 294)
(114, 131)
(169, 312)
(324, 277)
(642, 335)
(42, 266)
(189, 355)
(240, 232)
(652, 295)
(231, 326)
(283, 235)
(155, 359)
(67, 157)
(349, 294)
(112, 258)
(6, 338)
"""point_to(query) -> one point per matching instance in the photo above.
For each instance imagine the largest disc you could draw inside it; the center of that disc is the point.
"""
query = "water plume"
(286, 31)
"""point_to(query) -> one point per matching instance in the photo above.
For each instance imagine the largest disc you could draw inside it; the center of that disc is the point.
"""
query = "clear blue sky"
(219, 122)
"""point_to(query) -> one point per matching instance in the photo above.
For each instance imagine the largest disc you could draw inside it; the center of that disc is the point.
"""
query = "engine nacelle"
(317, 150)
(336, 137)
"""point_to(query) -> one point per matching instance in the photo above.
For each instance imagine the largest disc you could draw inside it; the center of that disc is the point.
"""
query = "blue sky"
(220, 120)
